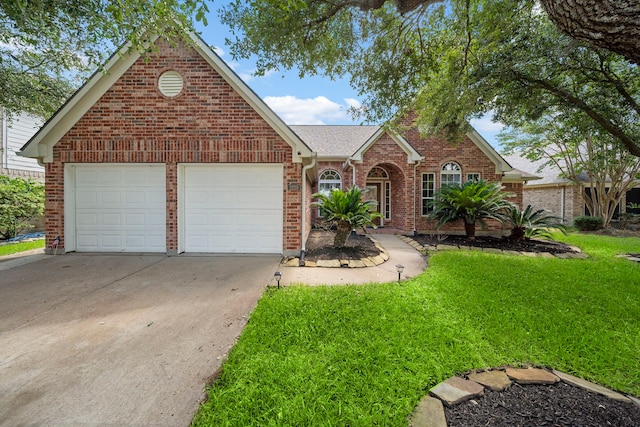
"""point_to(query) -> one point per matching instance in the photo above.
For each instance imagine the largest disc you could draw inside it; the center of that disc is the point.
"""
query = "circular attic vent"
(170, 83)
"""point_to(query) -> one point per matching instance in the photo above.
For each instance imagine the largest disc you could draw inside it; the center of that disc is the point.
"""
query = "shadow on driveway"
(120, 339)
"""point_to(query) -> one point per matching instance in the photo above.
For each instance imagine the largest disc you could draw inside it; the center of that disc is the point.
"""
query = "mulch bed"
(320, 247)
(560, 404)
(527, 245)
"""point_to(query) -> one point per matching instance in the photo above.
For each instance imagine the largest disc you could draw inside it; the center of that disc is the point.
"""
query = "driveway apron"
(119, 339)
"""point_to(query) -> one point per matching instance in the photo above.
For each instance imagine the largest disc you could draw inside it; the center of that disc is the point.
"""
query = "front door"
(374, 193)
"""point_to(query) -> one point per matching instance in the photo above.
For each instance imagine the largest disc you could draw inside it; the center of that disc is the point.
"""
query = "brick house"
(175, 153)
(550, 191)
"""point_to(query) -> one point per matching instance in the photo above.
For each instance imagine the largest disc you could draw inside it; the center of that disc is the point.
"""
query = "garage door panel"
(120, 208)
(242, 202)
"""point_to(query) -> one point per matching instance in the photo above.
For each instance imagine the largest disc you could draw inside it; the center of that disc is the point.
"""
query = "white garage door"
(120, 208)
(232, 208)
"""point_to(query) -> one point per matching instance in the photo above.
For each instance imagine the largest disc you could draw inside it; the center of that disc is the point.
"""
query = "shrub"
(587, 223)
(21, 201)
(473, 202)
(347, 211)
(530, 224)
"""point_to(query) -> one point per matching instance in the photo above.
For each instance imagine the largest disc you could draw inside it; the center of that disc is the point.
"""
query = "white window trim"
(426, 198)
(450, 172)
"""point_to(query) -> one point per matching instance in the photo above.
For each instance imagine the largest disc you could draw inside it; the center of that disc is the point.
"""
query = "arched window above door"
(378, 172)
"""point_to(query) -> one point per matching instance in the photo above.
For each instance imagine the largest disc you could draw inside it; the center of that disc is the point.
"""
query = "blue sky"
(309, 101)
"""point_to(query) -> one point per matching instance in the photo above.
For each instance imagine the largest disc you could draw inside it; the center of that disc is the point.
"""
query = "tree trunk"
(343, 230)
(470, 230)
(517, 234)
(609, 24)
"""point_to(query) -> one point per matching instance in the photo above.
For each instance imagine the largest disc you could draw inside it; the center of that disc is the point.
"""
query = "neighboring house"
(175, 153)
(15, 131)
(557, 195)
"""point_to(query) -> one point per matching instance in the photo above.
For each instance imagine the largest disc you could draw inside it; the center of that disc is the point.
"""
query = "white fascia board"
(41, 145)
(412, 155)
(501, 164)
(300, 149)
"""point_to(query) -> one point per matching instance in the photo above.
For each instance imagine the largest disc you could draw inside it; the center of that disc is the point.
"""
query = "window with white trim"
(450, 174)
(428, 192)
(387, 200)
(328, 181)
(475, 176)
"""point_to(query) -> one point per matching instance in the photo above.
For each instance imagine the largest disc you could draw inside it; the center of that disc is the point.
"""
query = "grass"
(365, 355)
(14, 248)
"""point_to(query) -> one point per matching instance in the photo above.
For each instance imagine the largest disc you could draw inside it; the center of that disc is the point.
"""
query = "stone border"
(430, 410)
(426, 249)
(629, 257)
(342, 263)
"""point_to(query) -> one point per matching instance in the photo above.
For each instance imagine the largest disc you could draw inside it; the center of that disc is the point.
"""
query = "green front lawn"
(365, 355)
(14, 248)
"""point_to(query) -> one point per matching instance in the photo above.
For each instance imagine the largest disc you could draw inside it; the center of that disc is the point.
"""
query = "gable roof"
(339, 141)
(42, 143)
(545, 175)
(412, 155)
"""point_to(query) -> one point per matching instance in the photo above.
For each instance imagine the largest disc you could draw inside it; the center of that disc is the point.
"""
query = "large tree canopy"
(450, 61)
(49, 46)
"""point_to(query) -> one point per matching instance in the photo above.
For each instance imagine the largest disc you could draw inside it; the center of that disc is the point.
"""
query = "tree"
(347, 211)
(21, 202)
(450, 61)
(530, 223)
(472, 202)
(49, 47)
(583, 154)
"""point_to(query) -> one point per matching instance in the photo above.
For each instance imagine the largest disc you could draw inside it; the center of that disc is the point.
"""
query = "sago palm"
(528, 223)
(347, 211)
(473, 202)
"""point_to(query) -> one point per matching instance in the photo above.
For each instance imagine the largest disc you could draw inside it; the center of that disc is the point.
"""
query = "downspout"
(314, 158)
(353, 171)
(415, 168)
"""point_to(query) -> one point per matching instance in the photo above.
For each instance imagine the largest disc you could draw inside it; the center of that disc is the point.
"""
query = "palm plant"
(473, 202)
(347, 211)
(529, 224)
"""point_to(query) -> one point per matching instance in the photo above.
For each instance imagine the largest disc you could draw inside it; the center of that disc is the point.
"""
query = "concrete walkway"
(399, 253)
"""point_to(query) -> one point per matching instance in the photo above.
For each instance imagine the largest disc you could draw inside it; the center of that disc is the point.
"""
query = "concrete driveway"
(119, 339)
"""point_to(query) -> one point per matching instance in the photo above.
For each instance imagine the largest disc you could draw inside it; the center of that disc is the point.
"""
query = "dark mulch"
(543, 405)
(527, 245)
(320, 247)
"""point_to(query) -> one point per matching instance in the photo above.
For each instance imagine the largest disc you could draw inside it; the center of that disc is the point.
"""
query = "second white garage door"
(230, 208)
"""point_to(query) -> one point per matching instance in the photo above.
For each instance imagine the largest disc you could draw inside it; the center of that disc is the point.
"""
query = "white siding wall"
(16, 133)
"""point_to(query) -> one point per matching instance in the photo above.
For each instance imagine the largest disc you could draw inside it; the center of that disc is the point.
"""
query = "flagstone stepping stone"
(493, 380)
(531, 376)
(428, 413)
(591, 386)
(456, 390)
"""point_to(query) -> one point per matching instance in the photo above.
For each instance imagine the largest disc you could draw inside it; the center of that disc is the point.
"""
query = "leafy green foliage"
(365, 355)
(588, 223)
(530, 223)
(46, 48)
(449, 61)
(346, 210)
(21, 201)
(472, 202)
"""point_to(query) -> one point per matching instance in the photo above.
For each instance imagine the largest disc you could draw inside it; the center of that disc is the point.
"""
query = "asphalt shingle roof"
(334, 141)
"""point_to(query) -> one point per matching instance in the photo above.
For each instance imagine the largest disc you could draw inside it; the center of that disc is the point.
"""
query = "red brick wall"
(407, 193)
(208, 122)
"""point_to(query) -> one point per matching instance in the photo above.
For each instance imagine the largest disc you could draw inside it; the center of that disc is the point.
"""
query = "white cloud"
(310, 111)
(219, 51)
(486, 124)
